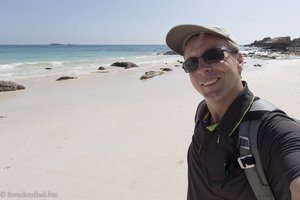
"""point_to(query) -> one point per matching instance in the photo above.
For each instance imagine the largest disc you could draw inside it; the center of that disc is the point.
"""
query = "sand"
(112, 136)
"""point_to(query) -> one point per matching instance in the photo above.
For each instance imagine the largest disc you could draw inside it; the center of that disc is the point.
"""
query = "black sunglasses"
(210, 56)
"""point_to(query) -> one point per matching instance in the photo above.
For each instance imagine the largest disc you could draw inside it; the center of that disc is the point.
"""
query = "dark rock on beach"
(101, 68)
(166, 69)
(126, 65)
(295, 42)
(277, 43)
(10, 86)
(295, 46)
(283, 45)
(48, 68)
(65, 78)
(150, 74)
(294, 50)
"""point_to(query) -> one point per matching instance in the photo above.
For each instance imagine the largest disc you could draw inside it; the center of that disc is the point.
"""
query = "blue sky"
(140, 21)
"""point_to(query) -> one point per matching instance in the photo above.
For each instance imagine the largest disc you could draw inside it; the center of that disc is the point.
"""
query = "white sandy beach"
(112, 136)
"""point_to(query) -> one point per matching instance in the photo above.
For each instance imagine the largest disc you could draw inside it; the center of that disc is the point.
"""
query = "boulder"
(126, 65)
(166, 69)
(65, 78)
(294, 50)
(150, 74)
(48, 68)
(101, 68)
(295, 42)
(10, 86)
(277, 43)
(169, 53)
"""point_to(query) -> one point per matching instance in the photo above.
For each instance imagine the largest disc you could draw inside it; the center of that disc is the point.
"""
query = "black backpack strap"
(200, 107)
(254, 171)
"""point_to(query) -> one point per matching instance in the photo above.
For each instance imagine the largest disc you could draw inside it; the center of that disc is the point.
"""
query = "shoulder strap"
(199, 110)
(248, 132)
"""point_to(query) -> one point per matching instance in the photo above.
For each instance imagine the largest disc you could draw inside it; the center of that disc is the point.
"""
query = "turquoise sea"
(25, 61)
(22, 61)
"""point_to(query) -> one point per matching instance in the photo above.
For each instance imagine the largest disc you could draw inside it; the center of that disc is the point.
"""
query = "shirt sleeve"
(279, 148)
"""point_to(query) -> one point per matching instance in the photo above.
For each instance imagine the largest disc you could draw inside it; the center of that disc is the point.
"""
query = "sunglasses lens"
(213, 55)
(190, 64)
(209, 57)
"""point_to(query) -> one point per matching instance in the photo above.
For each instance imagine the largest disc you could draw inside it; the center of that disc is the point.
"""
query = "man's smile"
(210, 83)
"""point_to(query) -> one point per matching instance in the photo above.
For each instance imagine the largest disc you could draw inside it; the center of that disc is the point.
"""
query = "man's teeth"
(210, 82)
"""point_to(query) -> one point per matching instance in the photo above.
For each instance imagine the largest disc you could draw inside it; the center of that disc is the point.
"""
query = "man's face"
(217, 82)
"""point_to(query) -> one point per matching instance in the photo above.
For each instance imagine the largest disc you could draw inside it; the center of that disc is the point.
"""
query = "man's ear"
(240, 62)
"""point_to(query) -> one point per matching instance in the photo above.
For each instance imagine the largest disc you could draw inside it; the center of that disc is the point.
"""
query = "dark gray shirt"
(211, 154)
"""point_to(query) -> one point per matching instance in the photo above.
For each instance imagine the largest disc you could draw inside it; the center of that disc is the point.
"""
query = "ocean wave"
(31, 64)
(83, 66)
(6, 66)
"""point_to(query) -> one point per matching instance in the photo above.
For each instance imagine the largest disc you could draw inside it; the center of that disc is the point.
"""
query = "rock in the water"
(101, 68)
(65, 78)
(170, 53)
(10, 86)
(257, 65)
(48, 68)
(126, 65)
(150, 74)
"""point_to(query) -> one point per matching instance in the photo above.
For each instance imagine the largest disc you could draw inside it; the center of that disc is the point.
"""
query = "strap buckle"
(246, 162)
(244, 143)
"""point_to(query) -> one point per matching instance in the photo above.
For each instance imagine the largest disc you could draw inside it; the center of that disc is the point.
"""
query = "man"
(214, 63)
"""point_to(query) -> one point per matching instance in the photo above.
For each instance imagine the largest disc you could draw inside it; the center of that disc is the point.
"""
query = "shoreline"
(113, 136)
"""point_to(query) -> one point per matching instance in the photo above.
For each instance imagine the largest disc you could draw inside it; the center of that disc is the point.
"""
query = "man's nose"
(203, 67)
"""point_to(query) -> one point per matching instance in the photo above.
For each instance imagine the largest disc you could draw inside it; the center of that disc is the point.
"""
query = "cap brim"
(178, 35)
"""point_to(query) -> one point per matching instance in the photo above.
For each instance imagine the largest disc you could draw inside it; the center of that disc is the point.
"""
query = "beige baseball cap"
(177, 37)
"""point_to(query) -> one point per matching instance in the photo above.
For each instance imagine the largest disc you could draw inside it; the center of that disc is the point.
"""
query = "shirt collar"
(236, 111)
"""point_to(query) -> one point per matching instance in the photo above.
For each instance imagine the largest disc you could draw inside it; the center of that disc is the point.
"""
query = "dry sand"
(112, 136)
